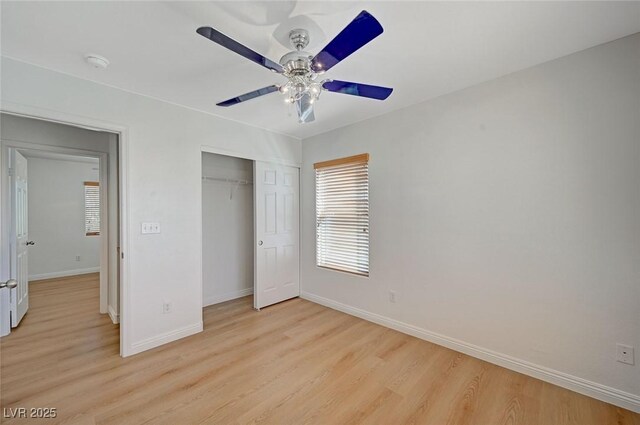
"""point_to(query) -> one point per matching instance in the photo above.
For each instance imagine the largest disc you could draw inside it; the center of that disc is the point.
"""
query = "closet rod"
(225, 180)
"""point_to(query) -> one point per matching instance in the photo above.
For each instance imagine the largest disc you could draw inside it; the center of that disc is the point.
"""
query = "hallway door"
(19, 297)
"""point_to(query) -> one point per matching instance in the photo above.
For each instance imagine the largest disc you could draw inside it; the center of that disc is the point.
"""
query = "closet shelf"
(235, 183)
(225, 180)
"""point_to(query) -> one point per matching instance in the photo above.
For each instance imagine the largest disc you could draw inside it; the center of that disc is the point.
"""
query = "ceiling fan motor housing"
(296, 63)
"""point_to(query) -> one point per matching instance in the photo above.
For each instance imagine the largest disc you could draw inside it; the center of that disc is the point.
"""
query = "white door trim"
(104, 203)
(234, 154)
(123, 170)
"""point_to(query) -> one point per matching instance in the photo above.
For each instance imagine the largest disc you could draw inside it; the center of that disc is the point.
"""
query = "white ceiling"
(428, 48)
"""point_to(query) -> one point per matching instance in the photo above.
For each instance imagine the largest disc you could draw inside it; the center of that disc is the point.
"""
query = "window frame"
(355, 160)
(91, 184)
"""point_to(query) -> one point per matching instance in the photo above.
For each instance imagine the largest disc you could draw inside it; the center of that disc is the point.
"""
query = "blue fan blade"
(359, 32)
(249, 96)
(357, 89)
(231, 44)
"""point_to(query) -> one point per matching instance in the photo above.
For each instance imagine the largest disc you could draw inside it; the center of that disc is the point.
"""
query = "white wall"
(507, 218)
(56, 218)
(164, 185)
(227, 229)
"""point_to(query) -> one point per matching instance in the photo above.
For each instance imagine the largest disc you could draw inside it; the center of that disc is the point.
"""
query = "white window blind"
(342, 214)
(92, 208)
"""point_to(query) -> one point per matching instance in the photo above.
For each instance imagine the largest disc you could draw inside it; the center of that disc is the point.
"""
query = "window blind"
(92, 208)
(342, 214)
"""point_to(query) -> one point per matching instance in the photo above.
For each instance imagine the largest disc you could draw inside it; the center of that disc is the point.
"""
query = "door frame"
(22, 146)
(253, 158)
(122, 132)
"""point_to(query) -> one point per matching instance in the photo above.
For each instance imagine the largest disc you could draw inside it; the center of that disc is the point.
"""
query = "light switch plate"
(150, 228)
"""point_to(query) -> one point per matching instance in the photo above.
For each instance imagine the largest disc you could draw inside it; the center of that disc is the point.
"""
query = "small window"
(342, 214)
(92, 208)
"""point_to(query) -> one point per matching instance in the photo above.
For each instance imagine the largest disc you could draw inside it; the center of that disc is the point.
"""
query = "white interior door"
(19, 296)
(277, 199)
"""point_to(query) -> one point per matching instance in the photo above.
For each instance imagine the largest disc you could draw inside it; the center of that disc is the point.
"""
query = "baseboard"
(164, 338)
(228, 296)
(64, 273)
(592, 389)
(115, 317)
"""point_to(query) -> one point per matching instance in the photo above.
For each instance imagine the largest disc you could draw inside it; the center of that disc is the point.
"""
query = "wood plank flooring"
(292, 363)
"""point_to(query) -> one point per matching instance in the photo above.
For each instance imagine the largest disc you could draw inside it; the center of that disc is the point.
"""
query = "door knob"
(259, 243)
(11, 283)
(30, 243)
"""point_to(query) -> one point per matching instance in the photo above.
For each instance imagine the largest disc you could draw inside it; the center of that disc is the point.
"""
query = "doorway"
(227, 228)
(250, 230)
(67, 214)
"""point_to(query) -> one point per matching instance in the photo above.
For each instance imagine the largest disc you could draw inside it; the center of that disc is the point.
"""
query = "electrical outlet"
(624, 354)
(77, 258)
(166, 307)
(392, 296)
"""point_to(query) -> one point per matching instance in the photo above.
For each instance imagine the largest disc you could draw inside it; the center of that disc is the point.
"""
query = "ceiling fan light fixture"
(298, 87)
(301, 69)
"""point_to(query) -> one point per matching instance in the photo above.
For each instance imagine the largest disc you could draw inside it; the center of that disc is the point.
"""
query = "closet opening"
(250, 233)
(227, 229)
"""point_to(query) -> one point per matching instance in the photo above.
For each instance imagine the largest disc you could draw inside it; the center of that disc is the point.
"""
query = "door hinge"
(10, 172)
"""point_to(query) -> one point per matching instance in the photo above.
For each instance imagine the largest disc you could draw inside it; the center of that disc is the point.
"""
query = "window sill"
(366, 276)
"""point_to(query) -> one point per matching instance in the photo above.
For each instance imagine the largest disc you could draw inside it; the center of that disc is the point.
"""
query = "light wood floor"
(292, 363)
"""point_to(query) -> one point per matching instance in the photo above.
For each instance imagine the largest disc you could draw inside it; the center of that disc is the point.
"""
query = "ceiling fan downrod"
(299, 38)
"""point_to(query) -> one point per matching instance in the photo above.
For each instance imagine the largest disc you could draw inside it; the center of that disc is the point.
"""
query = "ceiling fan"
(302, 69)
